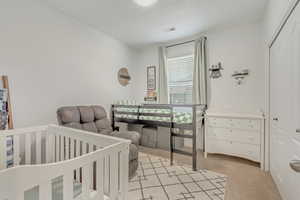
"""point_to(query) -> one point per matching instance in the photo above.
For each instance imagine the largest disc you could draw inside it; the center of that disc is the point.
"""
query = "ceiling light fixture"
(172, 29)
(145, 3)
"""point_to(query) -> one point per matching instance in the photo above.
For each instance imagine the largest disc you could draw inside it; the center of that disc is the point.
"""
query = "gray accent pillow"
(69, 114)
(99, 111)
(87, 114)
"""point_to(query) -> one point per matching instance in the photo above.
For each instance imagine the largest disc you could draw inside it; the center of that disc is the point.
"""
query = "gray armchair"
(94, 119)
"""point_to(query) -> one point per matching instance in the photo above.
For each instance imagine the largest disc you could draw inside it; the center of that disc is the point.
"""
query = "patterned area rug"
(157, 180)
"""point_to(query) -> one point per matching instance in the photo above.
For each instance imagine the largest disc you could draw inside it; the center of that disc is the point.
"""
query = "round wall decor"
(124, 77)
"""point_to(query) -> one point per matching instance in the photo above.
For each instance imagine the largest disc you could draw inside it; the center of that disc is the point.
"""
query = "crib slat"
(49, 148)
(72, 149)
(84, 151)
(124, 167)
(28, 149)
(77, 148)
(67, 149)
(16, 150)
(106, 174)
(45, 191)
(62, 148)
(68, 185)
(86, 180)
(100, 178)
(38, 148)
(56, 148)
(52, 136)
(114, 186)
(77, 155)
(3, 157)
(88, 147)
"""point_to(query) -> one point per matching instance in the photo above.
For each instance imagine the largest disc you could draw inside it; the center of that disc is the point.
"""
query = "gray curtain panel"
(163, 94)
(200, 72)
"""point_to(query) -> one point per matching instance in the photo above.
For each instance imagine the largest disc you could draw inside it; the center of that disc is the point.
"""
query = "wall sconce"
(215, 71)
(239, 76)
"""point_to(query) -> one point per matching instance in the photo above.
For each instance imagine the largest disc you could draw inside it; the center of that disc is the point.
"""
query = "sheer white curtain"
(200, 72)
(163, 94)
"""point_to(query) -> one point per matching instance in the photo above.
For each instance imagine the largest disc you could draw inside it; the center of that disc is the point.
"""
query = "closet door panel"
(285, 107)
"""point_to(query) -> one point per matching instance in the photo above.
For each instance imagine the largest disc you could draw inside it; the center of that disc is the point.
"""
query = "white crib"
(58, 163)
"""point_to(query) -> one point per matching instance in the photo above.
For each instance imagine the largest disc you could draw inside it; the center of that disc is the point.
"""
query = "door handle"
(298, 130)
(295, 165)
(275, 119)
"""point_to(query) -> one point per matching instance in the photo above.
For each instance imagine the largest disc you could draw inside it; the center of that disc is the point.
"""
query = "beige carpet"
(157, 180)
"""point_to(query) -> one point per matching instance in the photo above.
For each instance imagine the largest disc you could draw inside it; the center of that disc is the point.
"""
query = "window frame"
(192, 56)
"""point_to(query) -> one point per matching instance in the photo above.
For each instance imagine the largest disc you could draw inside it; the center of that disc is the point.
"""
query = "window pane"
(180, 74)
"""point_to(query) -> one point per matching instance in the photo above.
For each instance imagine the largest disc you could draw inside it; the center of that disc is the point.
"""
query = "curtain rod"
(190, 41)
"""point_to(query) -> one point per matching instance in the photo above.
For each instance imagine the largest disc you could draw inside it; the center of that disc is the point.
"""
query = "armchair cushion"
(99, 111)
(103, 124)
(90, 127)
(105, 132)
(129, 135)
(74, 125)
(68, 115)
(86, 114)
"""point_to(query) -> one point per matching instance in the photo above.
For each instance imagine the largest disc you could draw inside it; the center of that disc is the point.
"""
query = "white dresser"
(235, 135)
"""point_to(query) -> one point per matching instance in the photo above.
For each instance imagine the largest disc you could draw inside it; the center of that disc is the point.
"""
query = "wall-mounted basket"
(124, 77)
(215, 71)
(239, 76)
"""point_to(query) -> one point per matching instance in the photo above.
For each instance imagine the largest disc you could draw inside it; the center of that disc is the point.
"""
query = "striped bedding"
(3, 123)
(10, 159)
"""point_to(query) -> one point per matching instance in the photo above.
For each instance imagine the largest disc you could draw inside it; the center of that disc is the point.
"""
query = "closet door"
(285, 108)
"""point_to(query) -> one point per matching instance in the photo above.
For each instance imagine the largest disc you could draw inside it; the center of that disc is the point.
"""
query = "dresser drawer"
(235, 135)
(245, 124)
(248, 151)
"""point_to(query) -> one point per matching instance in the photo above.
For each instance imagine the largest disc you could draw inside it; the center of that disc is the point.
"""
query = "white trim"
(267, 115)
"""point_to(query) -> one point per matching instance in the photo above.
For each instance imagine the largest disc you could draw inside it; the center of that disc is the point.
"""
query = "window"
(180, 77)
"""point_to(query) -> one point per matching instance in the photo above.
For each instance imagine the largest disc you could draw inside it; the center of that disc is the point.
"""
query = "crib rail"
(16, 136)
(99, 164)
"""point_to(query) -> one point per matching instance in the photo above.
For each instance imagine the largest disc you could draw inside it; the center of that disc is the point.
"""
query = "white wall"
(236, 47)
(147, 57)
(52, 61)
